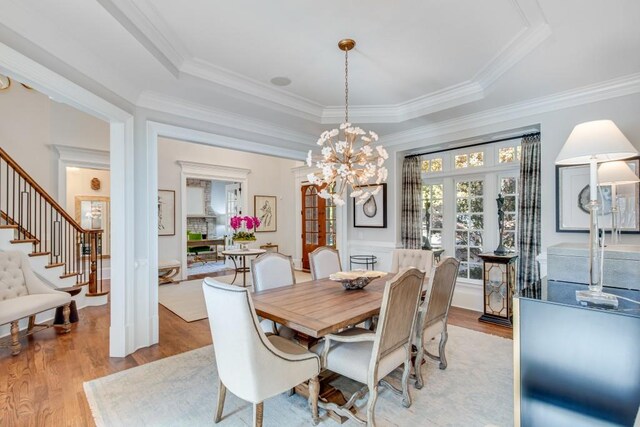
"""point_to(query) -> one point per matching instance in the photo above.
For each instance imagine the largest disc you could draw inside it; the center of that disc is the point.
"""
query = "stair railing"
(41, 221)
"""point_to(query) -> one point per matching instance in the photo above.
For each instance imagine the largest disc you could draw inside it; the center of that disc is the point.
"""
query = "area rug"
(476, 389)
(186, 299)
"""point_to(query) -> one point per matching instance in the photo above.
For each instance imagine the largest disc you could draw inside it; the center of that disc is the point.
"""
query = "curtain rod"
(524, 135)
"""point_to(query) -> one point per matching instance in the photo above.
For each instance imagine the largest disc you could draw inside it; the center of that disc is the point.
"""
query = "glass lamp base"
(596, 298)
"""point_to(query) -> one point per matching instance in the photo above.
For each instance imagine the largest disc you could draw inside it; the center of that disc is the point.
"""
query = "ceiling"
(416, 62)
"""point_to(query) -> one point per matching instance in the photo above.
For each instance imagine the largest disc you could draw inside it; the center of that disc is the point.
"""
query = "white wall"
(269, 176)
(30, 123)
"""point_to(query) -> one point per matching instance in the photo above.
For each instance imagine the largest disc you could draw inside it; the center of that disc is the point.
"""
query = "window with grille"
(508, 187)
(469, 227)
(433, 197)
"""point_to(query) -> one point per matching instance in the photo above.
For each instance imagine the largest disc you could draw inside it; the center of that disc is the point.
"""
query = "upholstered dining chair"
(433, 315)
(417, 258)
(368, 357)
(273, 270)
(251, 365)
(324, 261)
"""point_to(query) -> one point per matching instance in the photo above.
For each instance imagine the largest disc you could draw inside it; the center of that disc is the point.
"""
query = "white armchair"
(368, 357)
(416, 258)
(22, 295)
(324, 261)
(251, 365)
(434, 313)
(273, 270)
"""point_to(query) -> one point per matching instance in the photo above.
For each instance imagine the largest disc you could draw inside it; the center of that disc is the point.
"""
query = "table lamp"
(614, 174)
(592, 143)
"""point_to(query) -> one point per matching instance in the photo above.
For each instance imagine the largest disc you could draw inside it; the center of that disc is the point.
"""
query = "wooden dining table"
(318, 308)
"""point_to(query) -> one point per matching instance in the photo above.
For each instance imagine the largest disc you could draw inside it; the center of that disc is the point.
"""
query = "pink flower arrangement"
(251, 222)
(244, 232)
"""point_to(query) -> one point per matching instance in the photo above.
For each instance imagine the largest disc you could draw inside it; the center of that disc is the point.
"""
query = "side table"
(242, 268)
(366, 260)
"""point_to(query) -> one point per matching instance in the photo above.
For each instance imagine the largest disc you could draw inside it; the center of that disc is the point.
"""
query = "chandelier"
(350, 156)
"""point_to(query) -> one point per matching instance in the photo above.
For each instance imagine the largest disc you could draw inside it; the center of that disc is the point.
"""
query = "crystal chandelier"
(350, 156)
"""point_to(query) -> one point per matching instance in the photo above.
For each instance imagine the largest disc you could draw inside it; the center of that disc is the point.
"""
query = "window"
(432, 165)
(433, 197)
(469, 227)
(459, 202)
(474, 159)
(509, 190)
(509, 154)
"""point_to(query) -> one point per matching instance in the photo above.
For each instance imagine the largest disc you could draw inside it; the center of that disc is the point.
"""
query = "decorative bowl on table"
(357, 279)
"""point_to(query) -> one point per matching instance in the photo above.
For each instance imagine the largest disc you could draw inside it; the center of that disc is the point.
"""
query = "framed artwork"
(572, 201)
(166, 213)
(266, 209)
(373, 212)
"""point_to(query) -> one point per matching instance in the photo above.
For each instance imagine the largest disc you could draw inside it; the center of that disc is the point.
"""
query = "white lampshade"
(600, 140)
(616, 173)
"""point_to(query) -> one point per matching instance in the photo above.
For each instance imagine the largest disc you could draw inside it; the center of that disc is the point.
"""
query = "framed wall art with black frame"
(572, 201)
(373, 212)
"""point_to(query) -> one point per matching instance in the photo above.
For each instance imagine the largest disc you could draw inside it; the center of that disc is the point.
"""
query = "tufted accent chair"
(416, 258)
(22, 295)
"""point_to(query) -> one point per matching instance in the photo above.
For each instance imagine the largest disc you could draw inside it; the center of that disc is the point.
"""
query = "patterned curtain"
(529, 216)
(411, 202)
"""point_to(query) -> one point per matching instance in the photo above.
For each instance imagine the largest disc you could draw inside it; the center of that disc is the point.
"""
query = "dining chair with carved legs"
(433, 315)
(251, 365)
(368, 357)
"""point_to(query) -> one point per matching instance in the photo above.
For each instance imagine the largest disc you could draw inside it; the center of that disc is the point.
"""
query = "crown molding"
(146, 25)
(181, 108)
(446, 98)
(228, 172)
(613, 88)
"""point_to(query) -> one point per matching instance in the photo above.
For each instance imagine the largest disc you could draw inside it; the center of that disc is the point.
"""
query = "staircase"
(62, 253)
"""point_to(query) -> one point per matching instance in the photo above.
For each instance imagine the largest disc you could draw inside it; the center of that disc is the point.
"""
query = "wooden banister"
(32, 182)
(40, 220)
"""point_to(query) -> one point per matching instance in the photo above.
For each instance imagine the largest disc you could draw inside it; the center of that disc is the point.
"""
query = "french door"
(318, 222)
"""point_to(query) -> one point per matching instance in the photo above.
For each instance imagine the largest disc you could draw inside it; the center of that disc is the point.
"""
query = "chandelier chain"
(346, 86)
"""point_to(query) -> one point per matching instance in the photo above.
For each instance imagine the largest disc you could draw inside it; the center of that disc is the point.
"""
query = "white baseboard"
(469, 296)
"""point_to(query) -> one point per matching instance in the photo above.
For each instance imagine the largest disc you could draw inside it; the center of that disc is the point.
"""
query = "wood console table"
(214, 243)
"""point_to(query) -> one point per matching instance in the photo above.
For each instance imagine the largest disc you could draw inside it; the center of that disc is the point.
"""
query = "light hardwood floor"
(42, 386)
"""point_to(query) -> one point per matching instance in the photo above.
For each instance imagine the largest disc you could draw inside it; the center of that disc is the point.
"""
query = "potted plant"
(244, 228)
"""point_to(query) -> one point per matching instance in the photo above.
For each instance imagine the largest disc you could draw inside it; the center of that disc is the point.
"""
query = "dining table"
(317, 308)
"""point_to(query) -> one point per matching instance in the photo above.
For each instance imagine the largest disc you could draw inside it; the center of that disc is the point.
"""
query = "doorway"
(318, 222)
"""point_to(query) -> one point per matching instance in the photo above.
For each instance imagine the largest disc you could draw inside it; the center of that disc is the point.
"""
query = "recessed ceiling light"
(281, 81)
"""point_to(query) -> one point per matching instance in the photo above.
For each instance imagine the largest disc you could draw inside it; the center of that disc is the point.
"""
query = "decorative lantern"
(499, 282)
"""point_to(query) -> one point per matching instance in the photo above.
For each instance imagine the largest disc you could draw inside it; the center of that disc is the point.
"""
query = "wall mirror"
(93, 213)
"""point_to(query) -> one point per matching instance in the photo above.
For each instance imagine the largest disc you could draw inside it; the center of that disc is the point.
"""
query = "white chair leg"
(222, 393)
(257, 414)
(371, 406)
